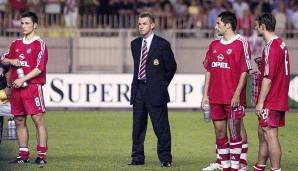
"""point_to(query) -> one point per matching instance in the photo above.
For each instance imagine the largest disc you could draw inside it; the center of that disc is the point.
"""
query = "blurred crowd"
(179, 14)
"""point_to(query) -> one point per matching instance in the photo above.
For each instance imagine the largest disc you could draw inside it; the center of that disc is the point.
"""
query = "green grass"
(102, 141)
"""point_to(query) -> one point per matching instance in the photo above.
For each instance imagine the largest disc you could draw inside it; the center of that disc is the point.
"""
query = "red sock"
(235, 152)
(223, 150)
(243, 156)
(259, 167)
(24, 152)
(41, 151)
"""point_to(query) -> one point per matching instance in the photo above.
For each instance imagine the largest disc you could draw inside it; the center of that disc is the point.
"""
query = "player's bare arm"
(205, 98)
(236, 97)
(13, 62)
(266, 85)
(18, 82)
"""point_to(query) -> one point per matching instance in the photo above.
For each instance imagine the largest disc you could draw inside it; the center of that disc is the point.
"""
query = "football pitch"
(100, 140)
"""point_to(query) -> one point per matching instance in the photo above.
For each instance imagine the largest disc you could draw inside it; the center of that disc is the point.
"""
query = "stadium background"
(90, 68)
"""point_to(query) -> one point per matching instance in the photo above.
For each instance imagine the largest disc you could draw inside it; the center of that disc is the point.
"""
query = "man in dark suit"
(154, 68)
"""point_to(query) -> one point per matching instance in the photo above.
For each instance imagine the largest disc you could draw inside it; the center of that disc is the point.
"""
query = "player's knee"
(220, 133)
(20, 121)
(268, 135)
(39, 121)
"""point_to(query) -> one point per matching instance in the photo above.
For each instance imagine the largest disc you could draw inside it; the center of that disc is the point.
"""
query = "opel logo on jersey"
(220, 64)
(220, 57)
(229, 51)
(223, 65)
(24, 63)
(29, 50)
(21, 56)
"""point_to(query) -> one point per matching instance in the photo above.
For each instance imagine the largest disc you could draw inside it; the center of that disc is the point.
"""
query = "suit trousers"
(160, 124)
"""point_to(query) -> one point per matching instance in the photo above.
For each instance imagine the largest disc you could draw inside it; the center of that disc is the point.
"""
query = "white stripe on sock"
(245, 145)
(23, 149)
(243, 156)
(223, 151)
(235, 150)
(225, 163)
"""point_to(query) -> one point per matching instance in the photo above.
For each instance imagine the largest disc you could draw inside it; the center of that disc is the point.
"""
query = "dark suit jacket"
(160, 69)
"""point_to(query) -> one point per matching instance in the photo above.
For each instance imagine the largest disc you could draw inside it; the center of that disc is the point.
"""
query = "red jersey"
(276, 67)
(33, 54)
(226, 61)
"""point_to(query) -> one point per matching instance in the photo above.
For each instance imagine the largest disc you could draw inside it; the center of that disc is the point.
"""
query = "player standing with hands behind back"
(273, 98)
(227, 63)
(31, 55)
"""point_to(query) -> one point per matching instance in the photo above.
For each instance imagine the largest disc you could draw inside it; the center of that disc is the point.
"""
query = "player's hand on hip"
(18, 83)
(259, 108)
(15, 62)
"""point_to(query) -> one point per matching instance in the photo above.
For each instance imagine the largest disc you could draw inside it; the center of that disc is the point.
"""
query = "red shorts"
(28, 100)
(223, 111)
(272, 118)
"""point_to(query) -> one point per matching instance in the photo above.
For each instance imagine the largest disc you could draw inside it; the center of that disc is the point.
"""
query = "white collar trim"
(273, 38)
(225, 42)
(30, 41)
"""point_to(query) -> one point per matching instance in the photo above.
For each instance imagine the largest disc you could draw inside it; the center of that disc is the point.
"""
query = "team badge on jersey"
(156, 62)
(29, 50)
(21, 56)
(229, 51)
(220, 57)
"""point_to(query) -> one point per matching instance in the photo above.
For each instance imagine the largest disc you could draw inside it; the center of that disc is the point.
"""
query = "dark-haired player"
(227, 63)
(273, 97)
(30, 53)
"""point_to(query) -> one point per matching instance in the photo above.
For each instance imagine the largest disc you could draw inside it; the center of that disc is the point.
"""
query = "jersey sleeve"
(246, 57)
(207, 60)
(42, 57)
(8, 53)
(272, 58)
